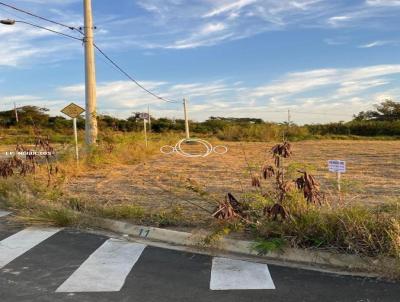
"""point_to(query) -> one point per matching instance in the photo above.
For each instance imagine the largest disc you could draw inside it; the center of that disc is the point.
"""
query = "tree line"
(382, 120)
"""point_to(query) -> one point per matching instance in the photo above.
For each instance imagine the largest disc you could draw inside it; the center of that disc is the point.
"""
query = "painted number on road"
(144, 233)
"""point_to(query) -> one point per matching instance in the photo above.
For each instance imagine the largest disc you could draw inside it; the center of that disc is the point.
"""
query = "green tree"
(386, 111)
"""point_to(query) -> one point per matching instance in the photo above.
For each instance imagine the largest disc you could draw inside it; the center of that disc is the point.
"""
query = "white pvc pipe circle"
(162, 149)
(206, 144)
(225, 149)
(209, 148)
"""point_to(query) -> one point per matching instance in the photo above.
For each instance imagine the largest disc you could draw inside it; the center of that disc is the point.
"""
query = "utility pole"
(149, 118)
(145, 132)
(90, 73)
(289, 117)
(16, 113)
(186, 118)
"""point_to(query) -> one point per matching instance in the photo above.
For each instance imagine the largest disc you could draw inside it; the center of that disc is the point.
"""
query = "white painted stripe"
(229, 274)
(14, 246)
(4, 213)
(106, 269)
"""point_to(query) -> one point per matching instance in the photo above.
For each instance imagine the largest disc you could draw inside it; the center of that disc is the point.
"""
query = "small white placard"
(338, 166)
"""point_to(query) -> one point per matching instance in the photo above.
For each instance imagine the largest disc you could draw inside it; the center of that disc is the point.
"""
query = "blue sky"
(324, 60)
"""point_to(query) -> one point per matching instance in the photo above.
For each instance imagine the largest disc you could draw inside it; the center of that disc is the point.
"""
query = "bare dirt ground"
(165, 181)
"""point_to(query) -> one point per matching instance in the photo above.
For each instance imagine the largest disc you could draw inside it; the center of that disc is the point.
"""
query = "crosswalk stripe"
(4, 213)
(106, 269)
(230, 274)
(16, 245)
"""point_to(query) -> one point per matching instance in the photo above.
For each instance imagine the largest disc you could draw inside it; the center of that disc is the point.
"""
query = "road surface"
(51, 264)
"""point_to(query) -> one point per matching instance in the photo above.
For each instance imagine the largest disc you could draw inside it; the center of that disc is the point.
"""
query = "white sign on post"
(337, 166)
(144, 116)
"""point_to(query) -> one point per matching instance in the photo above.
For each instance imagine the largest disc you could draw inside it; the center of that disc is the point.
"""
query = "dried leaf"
(268, 171)
(275, 211)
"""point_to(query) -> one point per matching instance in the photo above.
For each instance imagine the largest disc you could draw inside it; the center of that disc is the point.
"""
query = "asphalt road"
(39, 264)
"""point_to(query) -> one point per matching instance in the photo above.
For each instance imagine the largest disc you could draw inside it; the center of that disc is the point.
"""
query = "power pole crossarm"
(90, 72)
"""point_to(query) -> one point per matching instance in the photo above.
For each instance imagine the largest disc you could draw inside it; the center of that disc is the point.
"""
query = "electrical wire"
(98, 48)
(114, 63)
(10, 12)
(131, 78)
(51, 30)
(40, 17)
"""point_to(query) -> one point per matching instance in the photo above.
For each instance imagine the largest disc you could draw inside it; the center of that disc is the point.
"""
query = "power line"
(113, 62)
(51, 30)
(9, 12)
(98, 48)
(40, 17)
(131, 78)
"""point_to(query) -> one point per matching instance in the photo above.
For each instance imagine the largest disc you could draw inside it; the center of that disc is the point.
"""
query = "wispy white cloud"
(338, 91)
(339, 20)
(345, 81)
(206, 23)
(371, 13)
(124, 94)
(228, 7)
(25, 45)
(183, 25)
(383, 2)
(376, 44)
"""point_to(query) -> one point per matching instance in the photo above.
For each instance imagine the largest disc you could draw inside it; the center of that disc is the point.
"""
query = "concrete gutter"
(304, 258)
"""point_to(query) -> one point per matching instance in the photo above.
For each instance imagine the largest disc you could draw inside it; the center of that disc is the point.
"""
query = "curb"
(306, 258)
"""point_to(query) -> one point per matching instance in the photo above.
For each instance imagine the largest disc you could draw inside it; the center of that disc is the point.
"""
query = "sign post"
(145, 117)
(73, 111)
(338, 167)
(76, 139)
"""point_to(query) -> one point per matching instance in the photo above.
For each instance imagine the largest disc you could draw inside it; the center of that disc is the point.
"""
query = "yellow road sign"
(73, 110)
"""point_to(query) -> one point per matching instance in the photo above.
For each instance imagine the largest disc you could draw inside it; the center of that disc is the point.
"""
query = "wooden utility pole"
(149, 118)
(186, 118)
(289, 117)
(90, 74)
(16, 113)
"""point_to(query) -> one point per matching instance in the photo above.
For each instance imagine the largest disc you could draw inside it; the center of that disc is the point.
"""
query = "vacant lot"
(167, 181)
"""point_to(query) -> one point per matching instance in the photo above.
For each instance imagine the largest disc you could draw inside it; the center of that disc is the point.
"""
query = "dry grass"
(121, 179)
(163, 181)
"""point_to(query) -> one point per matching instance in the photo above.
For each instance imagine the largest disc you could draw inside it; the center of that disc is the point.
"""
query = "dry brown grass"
(163, 181)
